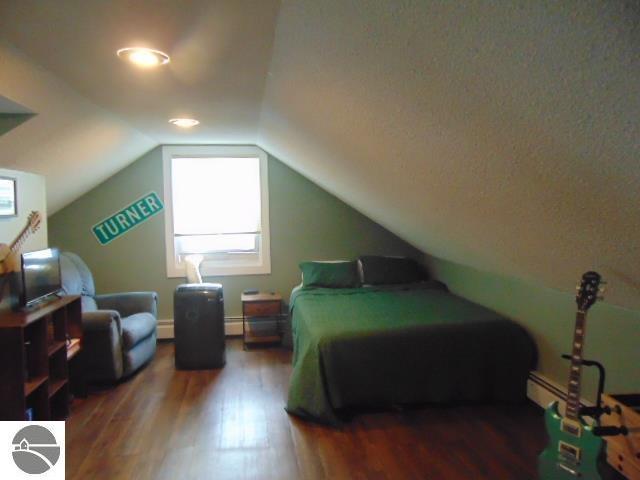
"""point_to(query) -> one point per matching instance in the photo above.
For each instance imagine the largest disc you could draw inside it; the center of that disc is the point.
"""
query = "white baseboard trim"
(232, 327)
(543, 391)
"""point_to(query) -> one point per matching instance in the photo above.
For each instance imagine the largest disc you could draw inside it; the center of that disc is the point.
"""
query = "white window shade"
(212, 244)
(213, 196)
(217, 207)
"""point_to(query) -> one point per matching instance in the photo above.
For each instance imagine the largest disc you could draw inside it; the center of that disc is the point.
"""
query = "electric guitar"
(8, 253)
(573, 450)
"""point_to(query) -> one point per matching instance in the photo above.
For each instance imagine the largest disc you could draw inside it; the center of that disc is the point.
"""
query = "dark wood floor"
(230, 424)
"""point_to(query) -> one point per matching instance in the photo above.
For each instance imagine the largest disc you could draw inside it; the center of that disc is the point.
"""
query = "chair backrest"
(77, 279)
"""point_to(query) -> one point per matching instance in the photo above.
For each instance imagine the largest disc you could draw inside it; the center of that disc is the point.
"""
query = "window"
(217, 203)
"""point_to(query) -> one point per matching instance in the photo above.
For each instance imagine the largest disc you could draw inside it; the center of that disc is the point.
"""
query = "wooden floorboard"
(231, 424)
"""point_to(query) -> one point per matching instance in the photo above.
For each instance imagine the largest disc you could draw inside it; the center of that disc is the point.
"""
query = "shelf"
(34, 369)
(55, 346)
(274, 317)
(56, 385)
(73, 348)
(263, 339)
(27, 316)
(261, 318)
(31, 385)
(262, 329)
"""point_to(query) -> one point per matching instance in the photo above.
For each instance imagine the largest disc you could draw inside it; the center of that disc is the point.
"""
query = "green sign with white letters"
(129, 217)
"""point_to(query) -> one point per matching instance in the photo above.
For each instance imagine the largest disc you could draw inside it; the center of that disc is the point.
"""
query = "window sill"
(208, 270)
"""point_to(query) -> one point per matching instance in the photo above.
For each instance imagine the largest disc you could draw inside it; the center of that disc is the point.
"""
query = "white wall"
(31, 196)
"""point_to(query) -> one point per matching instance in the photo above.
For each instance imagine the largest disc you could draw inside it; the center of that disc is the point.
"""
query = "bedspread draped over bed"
(381, 346)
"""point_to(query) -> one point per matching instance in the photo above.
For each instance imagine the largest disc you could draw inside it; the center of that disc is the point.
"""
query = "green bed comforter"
(376, 347)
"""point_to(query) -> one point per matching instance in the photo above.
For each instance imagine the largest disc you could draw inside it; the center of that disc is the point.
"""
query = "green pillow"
(390, 270)
(341, 274)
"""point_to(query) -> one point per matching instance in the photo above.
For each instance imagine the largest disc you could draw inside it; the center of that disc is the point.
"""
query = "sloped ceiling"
(96, 113)
(501, 135)
(71, 141)
(220, 52)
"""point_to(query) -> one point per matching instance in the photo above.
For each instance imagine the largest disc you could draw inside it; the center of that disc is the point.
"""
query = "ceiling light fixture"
(184, 122)
(143, 57)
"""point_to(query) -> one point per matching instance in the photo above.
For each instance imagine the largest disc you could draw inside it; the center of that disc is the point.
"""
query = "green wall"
(309, 223)
(9, 121)
(613, 333)
(306, 223)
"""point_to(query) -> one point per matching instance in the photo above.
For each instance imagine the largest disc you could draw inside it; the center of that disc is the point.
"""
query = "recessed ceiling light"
(143, 57)
(184, 122)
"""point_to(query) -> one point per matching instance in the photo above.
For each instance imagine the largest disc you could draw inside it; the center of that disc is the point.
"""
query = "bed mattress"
(409, 344)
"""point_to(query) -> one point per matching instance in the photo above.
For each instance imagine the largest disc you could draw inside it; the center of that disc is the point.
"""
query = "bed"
(397, 345)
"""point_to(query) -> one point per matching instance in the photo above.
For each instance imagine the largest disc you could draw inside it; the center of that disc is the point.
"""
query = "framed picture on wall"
(8, 207)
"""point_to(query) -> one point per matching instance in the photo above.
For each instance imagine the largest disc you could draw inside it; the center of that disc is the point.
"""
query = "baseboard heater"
(232, 327)
(543, 391)
(550, 387)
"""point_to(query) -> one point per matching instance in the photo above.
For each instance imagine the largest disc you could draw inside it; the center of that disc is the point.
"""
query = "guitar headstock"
(33, 221)
(588, 290)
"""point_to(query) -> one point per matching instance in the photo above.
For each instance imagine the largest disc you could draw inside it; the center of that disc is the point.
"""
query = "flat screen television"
(40, 275)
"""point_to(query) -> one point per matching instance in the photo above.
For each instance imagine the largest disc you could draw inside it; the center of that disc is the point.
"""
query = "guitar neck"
(15, 245)
(575, 372)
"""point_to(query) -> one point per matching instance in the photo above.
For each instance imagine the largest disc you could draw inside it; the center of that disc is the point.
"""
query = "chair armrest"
(101, 321)
(129, 303)
(102, 345)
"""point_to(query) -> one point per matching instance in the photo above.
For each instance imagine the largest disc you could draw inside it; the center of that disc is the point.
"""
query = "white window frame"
(231, 264)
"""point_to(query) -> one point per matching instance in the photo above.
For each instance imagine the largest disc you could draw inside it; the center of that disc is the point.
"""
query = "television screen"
(40, 274)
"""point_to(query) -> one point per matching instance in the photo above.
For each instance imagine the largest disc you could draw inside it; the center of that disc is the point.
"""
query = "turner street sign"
(129, 217)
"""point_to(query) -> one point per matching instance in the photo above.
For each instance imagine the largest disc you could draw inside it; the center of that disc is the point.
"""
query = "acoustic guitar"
(8, 253)
(573, 450)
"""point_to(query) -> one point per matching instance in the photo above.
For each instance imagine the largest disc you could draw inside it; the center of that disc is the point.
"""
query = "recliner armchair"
(119, 329)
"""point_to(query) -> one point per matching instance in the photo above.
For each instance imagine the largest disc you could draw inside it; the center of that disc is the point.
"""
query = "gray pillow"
(378, 270)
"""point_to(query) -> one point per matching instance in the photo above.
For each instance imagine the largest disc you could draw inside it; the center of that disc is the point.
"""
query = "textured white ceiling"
(71, 141)
(501, 135)
(220, 52)
(498, 134)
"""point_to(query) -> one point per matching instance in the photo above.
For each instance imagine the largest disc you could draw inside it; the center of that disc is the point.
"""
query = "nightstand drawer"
(257, 309)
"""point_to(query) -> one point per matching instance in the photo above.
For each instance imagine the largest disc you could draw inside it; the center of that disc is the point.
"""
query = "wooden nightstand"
(261, 318)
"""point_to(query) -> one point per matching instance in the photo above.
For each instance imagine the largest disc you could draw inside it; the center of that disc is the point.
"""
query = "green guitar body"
(555, 464)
